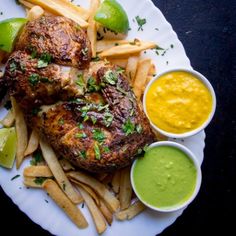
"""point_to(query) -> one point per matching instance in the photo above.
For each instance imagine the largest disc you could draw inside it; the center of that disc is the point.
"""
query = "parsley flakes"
(141, 22)
(128, 127)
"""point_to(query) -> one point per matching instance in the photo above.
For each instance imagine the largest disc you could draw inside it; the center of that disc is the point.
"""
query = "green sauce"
(164, 177)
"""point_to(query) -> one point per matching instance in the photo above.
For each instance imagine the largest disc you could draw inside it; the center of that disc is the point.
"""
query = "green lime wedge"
(8, 149)
(9, 30)
(112, 15)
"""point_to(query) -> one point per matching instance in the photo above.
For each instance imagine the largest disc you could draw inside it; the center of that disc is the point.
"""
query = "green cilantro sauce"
(164, 177)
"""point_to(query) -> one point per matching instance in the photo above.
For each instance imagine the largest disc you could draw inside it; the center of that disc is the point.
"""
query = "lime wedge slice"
(8, 149)
(9, 30)
(112, 15)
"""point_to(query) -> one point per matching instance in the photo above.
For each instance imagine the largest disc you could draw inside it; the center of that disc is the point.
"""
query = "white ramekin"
(198, 180)
(192, 132)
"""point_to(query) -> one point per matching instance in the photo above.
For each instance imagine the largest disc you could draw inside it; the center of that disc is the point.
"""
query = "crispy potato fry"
(126, 50)
(131, 212)
(115, 183)
(141, 76)
(35, 13)
(152, 70)
(119, 62)
(87, 189)
(9, 119)
(33, 143)
(92, 27)
(67, 9)
(64, 202)
(31, 182)
(37, 171)
(110, 200)
(66, 166)
(98, 219)
(131, 67)
(125, 189)
(26, 4)
(106, 213)
(54, 165)
(105, 44)
(21, 132)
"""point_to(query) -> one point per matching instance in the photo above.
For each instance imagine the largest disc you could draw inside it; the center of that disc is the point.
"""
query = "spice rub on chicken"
(91, 116)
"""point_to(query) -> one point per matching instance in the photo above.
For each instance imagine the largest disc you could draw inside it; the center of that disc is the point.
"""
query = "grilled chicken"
(90, 117)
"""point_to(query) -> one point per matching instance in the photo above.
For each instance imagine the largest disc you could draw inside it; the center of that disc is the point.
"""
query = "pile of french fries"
(105, 195)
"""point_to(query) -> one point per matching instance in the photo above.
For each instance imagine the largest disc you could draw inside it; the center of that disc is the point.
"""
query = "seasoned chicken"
(90, 117)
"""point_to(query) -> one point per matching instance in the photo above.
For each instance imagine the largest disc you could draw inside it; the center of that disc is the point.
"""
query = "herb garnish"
(93, 119)
(44, 60)
(110, 77)
(81, 135)
(98, 135)
(157, 49)
(83, 154)
(15, 177)
(33, 79)
(13, 67)
(80, 81)
(97, 151)
(81, 126)
(108, 118)
(84, 51)
(92, 85)
(140, 22)
(40, 180)
(128, 127)
(64, 186)
(106, 149)
(37, 158)
(61, 121)
(139, 128)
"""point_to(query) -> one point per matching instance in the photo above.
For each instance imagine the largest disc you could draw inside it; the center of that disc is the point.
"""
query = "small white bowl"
(203, 79)
(198, 180)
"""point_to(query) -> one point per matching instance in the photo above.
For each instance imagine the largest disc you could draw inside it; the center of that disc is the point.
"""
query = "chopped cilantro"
(171, 46)
(110, 77)
(45, 80)
(64, 186)
(40, 180)
(128, 127)
(141, 22)
(15, 177)
(157, 49)
(81, 126)
(139, 128)
(97, 151)
(92, 85)
(61, 121)
(81, 135)
(80, 81)
(98, 135)
(37, 158)
(106, 149)
(84, 51)
(93, 119)
(83, 154)
(13, 67)
(33, 79)
(44, 60)
(108, 118)
(121, 90)
(33, 53)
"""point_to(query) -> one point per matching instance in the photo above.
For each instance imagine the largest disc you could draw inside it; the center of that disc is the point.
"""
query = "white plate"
(48, 215)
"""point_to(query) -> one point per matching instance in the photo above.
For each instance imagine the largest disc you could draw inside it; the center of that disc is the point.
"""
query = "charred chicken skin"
(90, 116)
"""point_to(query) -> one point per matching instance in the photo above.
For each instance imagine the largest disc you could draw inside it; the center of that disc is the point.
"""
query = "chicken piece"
(59, 37)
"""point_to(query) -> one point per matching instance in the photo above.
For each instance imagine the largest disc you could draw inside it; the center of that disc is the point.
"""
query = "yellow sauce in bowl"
(178, 102)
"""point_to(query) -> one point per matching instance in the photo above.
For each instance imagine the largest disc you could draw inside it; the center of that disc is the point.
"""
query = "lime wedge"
(112, 15)
(9, 30)
(8, 148)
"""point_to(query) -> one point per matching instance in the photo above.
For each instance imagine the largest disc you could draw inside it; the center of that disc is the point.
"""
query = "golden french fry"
(54, 165)
(92, 27)
(126, 50)
(141, 76)
(119, 62)
(105, 44)
(152, 70)
(106, 213)
(66, 166)
(98, 219)
(37, 171)
(33, 182)
(64, 202)
(88, 190)
(131, 212)
(111, 201)
(131, 67)
(35, 13)
(9, 119)
(21, 132)
(33, 143)
(67, 9)
(115, 183)
(26, 4)
(125, 189)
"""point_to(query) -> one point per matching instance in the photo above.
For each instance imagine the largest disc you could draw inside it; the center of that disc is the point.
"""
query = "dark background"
(207, 29)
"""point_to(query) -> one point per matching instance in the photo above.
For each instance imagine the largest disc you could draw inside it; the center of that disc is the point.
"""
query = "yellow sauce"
(178, 102)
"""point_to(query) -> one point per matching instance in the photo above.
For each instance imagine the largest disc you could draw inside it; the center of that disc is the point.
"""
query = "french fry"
(105, 44)
(131, 67)
(21, 132)
(131, 212)
(141, 76)
(98, 219)
(66, 166)
(152, 70)
(54, 165)
(37, 171)
(92, 27)
(119, 62)
(126, 50)
(88, 190)
(35, 13)
(110, 200)
(125, 189)
(106, 213)
(67, 9)
(115, 183)
(33, 143)
(26, 4)
(9, 119)
(31, 182)
(64, 202)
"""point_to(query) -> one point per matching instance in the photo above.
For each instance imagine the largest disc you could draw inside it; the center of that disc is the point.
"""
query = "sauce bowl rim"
(200, 77)
(193, 157)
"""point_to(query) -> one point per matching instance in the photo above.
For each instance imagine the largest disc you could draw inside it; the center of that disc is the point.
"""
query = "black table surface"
(207, 29)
